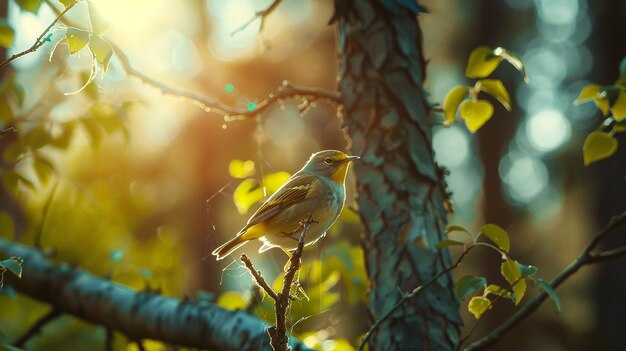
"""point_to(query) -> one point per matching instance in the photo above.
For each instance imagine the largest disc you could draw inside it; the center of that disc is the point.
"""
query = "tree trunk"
(401, 194)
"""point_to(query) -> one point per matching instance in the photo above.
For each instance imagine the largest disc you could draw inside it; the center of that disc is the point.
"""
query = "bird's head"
(330, 163)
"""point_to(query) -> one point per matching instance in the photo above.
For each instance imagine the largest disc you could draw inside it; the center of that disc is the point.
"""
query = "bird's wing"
(295, 190)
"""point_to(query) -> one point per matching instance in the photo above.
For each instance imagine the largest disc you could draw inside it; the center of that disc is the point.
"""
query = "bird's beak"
(351, 158)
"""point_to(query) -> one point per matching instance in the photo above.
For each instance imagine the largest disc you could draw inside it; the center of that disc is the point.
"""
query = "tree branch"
(138, 315)
(7, 130)
(260, 14)
(587, 257)
(210, 104)
(36, 328)
(278, 332)
(40, 40)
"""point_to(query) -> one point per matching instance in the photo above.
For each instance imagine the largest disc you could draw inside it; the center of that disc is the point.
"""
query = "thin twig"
(287, 90)
(8, 130)
(40, 40)
(36, 328)
(108, 346)
(587, 257)
(411, 295)
(278, 332)
(260, 14)
(258, 278)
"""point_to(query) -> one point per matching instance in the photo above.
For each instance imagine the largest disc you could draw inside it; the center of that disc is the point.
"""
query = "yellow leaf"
(478, 305)
(273, 181)
(241, 169)
(452, 101)
(231, 300)
(476, 113)
(495, 88)
(99, 24)
(598, 146)
(511, 272)
(519, 289)
(497, 290)
(602, 105)
(76, 39)
(498, 235)
(102, 51)
(247, 194)
(589, 92)
(481, 62)
(619, 106)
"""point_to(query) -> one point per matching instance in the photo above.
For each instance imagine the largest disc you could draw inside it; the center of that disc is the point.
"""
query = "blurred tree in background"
(113, 160)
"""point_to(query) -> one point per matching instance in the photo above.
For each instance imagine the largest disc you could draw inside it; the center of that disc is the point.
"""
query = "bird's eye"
(328, 160)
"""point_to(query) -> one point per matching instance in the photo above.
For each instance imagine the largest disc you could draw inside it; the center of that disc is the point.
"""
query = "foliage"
(11, 264)
(474, 111)
(515, 274)
(611, 101)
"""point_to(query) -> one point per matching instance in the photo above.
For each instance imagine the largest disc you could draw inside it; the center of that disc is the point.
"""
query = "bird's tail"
(230, 246)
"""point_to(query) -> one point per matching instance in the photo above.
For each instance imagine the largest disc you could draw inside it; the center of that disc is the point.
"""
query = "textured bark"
(401, 197)
(138, 315)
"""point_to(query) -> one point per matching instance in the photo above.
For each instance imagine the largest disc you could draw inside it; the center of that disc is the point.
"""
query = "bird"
(317, 190)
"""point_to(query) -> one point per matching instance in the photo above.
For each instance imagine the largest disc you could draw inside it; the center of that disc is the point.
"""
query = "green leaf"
(619, 106)
(478, 305)
(469, 284)
(476, 113)
(7, 34)
(247, 194)
(482, 62)
(497, 235)
(31, 6)
(543, 284)
(457, 228)
(13, 264)
(448, 242)
(511, 272)
(497, 290)
(495, 88)
(241, 169)
(99, 24)
(102, 51)
(452, 101)
(514, 59)
(76, 39)
(526, 270)
(7, 347)
(598, 146)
